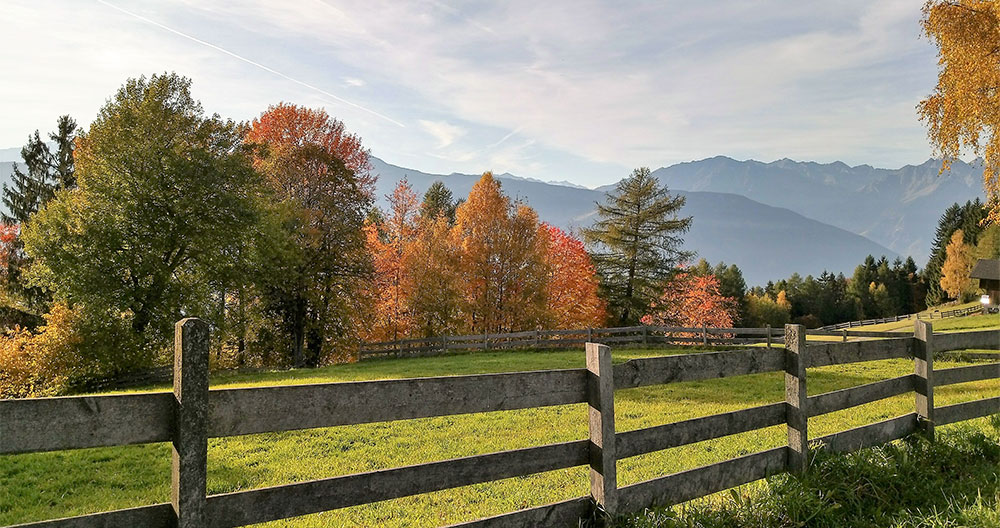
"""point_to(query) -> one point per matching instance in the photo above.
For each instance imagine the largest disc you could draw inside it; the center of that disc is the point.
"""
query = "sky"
(578, 90)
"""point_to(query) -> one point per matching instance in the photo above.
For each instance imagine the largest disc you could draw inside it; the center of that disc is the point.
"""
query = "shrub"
(72, 350)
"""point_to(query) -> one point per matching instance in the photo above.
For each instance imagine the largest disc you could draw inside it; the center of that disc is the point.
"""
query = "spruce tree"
(438, 201)
(636, 243)
(46, 173)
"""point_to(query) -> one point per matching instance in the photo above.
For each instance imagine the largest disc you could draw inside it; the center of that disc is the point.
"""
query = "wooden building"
(988, 273)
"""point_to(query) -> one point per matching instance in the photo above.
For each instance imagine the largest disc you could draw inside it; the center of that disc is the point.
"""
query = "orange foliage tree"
(389, 243)
(286, 126)
(572, 286)
(692, 301)
(502, 261)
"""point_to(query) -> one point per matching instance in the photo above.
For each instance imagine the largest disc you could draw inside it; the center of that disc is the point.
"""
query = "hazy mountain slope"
(765, 242)
(897, 208)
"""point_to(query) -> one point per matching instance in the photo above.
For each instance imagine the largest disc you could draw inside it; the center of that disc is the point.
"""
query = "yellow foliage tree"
(964, 110)
(957, 266)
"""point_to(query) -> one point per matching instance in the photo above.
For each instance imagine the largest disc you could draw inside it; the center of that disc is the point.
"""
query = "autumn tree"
(762, 310)
(502, 261)
(164, 191)
(320, 177)
(47, 171)
(692, 300)
(433, 284)
(963, 112)
(636, 243)
(572, 301)
(955, 280)
(388, 243)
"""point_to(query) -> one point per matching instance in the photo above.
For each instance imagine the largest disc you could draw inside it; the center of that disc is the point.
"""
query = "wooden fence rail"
(193, 413)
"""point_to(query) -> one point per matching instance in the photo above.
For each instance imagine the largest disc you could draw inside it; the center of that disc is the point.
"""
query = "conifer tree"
(438, 201)
(636, 243)
(46, 173)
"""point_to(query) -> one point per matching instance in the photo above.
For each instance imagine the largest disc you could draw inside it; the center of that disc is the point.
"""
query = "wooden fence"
(193, 413)
(642, 334)
(958, 312)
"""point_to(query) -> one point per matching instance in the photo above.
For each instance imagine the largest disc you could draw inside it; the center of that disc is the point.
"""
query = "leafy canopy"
(964, 109)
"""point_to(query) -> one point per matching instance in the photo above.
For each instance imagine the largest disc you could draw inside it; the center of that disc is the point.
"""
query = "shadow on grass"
(952, 482)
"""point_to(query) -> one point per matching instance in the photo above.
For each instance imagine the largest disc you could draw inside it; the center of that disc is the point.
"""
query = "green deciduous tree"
(636, 243)
(166, 194)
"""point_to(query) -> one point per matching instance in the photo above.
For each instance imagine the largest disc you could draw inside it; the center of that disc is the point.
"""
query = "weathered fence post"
(601, 411)
(797, 413)
(704, 335)
(190, 444)
(486, 341)
(768, 336)
(923, 359)
(645, 335)
(590, 334)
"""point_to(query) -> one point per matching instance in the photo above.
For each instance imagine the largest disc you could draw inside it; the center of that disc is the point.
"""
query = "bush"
(71, 351)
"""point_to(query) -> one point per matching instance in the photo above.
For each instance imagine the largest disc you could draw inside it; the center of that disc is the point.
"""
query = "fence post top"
(191, 323)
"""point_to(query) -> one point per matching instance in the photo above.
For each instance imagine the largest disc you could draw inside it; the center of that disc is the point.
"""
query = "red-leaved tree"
(692, 301)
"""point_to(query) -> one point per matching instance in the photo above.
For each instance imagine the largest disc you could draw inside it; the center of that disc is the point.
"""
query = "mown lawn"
(51, 485)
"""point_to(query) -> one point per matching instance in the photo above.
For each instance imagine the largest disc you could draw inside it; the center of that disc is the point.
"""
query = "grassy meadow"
(51, 485)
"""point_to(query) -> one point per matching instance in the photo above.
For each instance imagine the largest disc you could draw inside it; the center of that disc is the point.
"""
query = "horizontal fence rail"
(188, 417)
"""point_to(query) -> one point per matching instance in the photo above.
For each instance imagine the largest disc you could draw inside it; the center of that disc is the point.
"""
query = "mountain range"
(770, 219)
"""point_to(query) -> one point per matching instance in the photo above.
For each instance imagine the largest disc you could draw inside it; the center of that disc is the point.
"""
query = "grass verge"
(954, 481)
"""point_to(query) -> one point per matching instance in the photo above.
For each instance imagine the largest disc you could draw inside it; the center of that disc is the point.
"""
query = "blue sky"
(580, 91)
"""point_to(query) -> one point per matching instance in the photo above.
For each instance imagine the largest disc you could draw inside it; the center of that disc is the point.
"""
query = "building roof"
(986, 269)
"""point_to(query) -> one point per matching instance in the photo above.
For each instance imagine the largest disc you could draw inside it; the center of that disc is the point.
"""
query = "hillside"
(766, 242)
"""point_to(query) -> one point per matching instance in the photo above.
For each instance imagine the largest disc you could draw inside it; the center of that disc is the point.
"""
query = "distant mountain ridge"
(897, 208)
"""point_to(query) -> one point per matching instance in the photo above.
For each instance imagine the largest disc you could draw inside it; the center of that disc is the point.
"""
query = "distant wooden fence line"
(958, 312)
(642, 334)
(193, 413)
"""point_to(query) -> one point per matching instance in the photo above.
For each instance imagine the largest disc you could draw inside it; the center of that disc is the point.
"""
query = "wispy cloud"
(583, 91)
(445, 133)
(251, 62)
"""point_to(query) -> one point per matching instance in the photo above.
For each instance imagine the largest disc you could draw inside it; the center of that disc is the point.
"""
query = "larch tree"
(573, 300)
(389, 243)
(955, 280)
(502, 260)
(963, 112)
(636, 243)
(319, 175)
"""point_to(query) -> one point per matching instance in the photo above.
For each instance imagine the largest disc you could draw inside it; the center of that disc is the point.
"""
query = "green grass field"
(52, 485)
